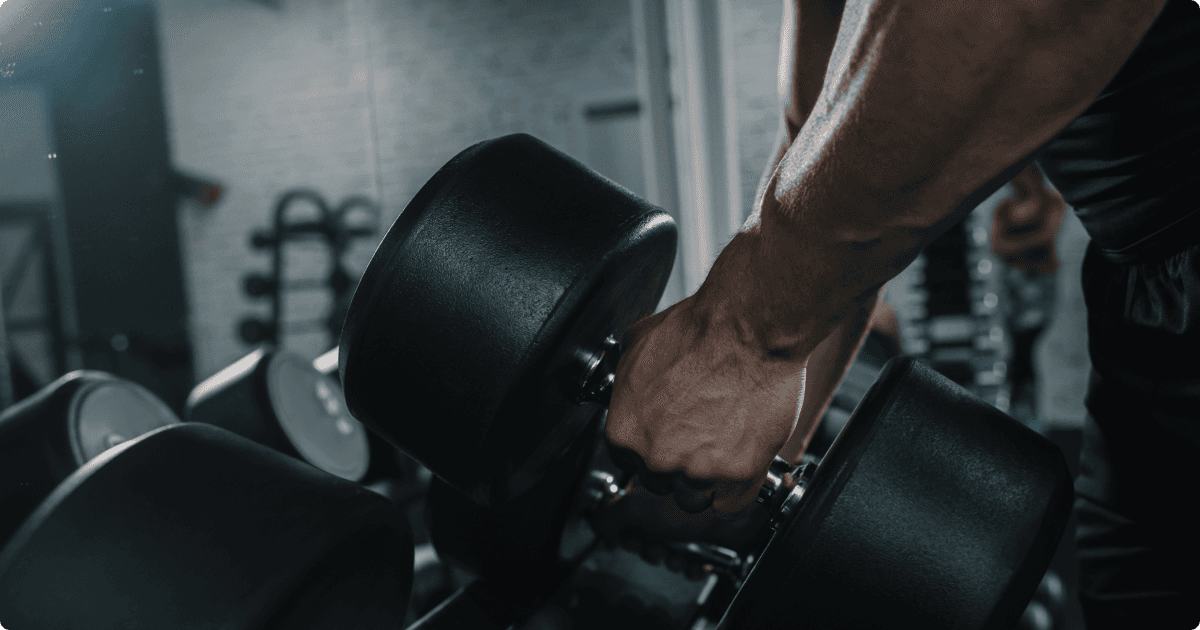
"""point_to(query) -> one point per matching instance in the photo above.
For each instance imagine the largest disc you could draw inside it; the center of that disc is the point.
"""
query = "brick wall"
(754, 36)
(358, 97)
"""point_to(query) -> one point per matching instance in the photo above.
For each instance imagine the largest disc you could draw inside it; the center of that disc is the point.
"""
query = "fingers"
(732, 499)
(691, 495)
(1025, 225)
(1031, 254)
(1025, 244)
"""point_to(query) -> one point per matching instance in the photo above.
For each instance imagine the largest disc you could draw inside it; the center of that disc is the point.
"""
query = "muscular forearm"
(924, 109)
(827, 365)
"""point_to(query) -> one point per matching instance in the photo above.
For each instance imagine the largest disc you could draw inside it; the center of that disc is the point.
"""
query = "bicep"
(810, 28)
(807, 33)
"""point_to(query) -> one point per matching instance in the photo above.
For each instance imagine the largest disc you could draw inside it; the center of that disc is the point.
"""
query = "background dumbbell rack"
(956, 316)
(354, 218)
(974, 319)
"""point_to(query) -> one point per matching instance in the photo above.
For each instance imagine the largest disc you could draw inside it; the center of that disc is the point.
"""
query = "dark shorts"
(1138, 492)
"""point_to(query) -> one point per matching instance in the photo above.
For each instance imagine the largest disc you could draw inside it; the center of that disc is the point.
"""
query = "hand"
(698, 413)
(1025, 225)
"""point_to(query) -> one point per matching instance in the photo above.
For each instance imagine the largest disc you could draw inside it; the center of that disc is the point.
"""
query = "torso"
(1130, 164)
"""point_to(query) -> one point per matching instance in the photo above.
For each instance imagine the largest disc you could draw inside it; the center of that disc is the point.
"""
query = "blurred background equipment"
(90, 194)
(32, 295)
(278, 399)
(961, 328)
(337, 228)
(48, 436)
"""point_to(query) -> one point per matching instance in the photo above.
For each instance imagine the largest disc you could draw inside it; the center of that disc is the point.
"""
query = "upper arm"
(810, 29)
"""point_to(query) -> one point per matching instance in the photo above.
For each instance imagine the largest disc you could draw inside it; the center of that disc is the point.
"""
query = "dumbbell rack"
(1031, 297)
(337, 228)
(958, 318)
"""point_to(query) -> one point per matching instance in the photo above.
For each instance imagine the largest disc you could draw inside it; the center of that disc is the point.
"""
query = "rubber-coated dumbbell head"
(521, 548)
(49, 435)
(280, 400)
(485, 302)
(192, 526)
(932, 505)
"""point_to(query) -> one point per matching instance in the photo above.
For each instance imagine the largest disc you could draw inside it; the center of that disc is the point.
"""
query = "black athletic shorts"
(1138, 492)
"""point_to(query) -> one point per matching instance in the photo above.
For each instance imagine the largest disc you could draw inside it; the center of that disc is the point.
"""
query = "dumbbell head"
(484, 303)
(939, 509)
(192, 526)
(46, 437)
(530, 536)
(280, 400)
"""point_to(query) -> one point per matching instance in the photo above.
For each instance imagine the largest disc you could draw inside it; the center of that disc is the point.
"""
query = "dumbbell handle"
(603, 488)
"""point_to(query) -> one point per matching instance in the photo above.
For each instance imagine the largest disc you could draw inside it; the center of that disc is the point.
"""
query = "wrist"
(754, 296)
(781, 290)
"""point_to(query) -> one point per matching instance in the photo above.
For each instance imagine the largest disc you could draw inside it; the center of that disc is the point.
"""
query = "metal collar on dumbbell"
(776, 495)
(600, 372)
(601, 488)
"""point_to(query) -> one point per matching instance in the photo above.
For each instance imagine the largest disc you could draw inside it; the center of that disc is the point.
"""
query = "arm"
(1025, 225)
(927, 106)
(827, 366)
(804, 52)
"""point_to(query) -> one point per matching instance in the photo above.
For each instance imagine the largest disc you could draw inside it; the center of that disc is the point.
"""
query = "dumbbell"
(192, 526)
(280, 400)
(390, 472)
(48, 436)
(494, 308)
(122, 517)
(876, 350)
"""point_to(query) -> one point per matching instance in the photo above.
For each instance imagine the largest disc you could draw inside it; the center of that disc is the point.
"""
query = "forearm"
(924, 108)
(827, 366)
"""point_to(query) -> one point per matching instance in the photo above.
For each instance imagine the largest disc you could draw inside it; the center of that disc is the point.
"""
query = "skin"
(897, 125)
(1024, 229)
(1025, 224)
(642, 519)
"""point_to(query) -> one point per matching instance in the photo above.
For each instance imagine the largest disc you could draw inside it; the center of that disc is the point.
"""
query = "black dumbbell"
(192, 526)
(48, 436)
(281, 400)
(390, 473)
(494, 308)
(875, 352)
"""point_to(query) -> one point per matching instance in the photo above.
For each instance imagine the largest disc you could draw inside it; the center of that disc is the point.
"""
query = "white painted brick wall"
(755, 37)
(264, 100)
